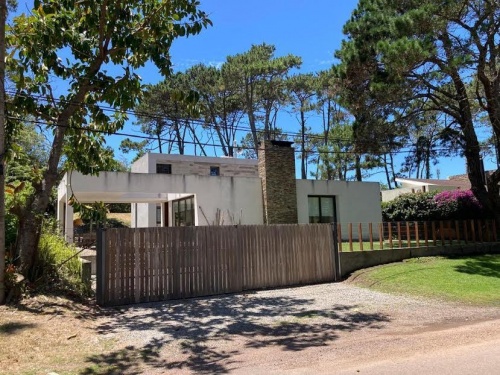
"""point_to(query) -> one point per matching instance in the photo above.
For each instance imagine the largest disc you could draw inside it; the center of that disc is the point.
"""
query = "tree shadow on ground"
(11, 328)
(191, 327)
(486, 265)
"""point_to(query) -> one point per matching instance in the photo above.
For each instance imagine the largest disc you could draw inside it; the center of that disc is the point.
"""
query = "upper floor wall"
(195, 165)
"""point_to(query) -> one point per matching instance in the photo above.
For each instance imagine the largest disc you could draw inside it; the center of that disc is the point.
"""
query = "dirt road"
(326, 329)
(330, 328)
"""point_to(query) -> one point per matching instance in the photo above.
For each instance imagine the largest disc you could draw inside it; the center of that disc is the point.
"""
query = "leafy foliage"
(57, 266)
(92, 49)
(450, 67)
(446, 205)
(419, 206)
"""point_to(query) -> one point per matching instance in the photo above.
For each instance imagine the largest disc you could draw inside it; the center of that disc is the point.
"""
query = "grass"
(123, 217)
(356, 246)
(470, 280)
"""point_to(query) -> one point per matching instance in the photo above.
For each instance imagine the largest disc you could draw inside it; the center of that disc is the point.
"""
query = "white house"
(179, 190)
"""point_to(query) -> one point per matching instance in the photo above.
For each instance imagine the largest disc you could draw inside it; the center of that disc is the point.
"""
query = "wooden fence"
(394, 235)
(153, 264)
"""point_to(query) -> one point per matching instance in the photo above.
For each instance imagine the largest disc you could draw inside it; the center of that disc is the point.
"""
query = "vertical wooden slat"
(350, 236)
(370, 231)
(426, 234)
(457, 232)
(466, 234)
(381, 235)
(360, 236)
(488, 233)
(389, 226)
(400, 242)
(408, 234)
(494, 228)
(441, 232)
(417, 238)
(434, 240)
(473, 231)
(449, 230)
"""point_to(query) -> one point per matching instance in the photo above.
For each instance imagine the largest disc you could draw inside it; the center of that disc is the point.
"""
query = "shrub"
(459, 205)
(58, 267)
(446, 205)
(418, 206)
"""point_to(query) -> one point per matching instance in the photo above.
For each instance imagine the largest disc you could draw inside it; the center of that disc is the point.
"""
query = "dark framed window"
(183, 212)
(164, 168)
(158, 215)
(322, 209)
(214, 171)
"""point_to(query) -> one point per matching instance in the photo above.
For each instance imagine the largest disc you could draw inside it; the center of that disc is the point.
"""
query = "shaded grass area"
(472, 280)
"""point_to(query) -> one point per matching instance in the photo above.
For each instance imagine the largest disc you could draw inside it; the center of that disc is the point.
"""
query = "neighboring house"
(415, 185)
(180, 190)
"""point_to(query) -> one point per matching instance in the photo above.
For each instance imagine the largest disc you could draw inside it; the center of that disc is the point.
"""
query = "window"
(322, 209)
(158, 215)
(164, 168)
(214, 171)
(183, 211)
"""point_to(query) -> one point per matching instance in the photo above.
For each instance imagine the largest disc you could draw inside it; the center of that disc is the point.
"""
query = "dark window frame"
(163, 168)
(180, 212)
(321, 217)
(214, 170)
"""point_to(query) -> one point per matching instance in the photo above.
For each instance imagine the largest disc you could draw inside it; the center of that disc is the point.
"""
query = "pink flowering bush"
(446, 205)
(458, 205)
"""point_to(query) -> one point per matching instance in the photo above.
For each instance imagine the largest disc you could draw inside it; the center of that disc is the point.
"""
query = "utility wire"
(196, 121)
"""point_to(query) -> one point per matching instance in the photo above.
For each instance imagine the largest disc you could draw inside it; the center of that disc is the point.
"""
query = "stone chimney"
(279, 188)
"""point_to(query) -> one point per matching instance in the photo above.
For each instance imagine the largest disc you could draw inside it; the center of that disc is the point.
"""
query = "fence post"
(336, 254)
(101, 266)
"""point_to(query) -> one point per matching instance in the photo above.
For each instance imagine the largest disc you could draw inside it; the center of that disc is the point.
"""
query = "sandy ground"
(328, 328)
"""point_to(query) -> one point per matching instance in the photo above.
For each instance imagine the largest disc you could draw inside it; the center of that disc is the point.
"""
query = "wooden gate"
(154, 264)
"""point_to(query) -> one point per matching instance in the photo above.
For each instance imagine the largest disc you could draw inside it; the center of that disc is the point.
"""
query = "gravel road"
(319, 328)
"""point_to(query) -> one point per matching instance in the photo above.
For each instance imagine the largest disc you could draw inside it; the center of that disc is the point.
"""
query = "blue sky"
(311, 30)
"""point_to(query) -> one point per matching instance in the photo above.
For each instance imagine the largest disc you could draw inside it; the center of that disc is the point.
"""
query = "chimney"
(279, 188)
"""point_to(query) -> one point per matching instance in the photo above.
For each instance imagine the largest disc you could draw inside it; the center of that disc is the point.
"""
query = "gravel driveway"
(294, 329)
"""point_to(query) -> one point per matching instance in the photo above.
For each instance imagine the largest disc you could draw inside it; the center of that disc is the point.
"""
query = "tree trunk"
(359, 177)
(30, 222)
(393, 171)
(3, 16)
(389, 185)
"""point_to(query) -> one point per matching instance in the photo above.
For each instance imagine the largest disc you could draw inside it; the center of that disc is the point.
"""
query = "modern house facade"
(179, 190)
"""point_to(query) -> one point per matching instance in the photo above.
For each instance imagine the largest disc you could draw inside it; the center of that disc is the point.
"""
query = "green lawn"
(356, 245)
(472, 280)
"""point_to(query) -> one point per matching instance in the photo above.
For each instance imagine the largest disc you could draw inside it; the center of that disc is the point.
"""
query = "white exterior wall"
(357, 202)
(389, 195)
(240, 197)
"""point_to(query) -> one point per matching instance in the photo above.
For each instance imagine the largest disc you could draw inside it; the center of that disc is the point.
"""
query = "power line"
(151, 138)
(200, 122)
